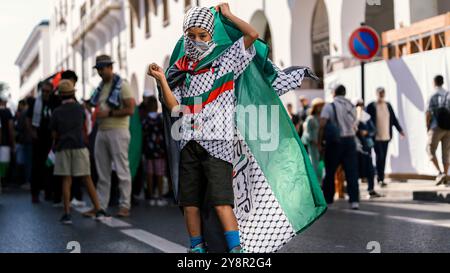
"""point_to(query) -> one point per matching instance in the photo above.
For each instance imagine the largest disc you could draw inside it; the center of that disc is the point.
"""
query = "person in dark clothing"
(138, 180)
(383, 117)
(154, 151)
(304, 103)
(7, 139)
(295, 118)
(365, 134)
(77, 192)
(72, 156)
(338, 130)
(23, 147)
(38, 120)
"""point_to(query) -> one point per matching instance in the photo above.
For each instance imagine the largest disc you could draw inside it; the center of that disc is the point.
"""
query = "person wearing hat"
(383, 117)
(310, 135)
(114, 100)
(72, 156)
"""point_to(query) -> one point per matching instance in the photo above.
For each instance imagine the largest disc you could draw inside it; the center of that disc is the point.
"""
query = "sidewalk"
(413, 190)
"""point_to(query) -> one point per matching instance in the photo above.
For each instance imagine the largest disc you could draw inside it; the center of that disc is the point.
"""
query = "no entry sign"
(364, 43)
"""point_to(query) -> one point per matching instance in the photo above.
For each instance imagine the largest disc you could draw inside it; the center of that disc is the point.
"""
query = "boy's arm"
(250, 34)
(169, 98)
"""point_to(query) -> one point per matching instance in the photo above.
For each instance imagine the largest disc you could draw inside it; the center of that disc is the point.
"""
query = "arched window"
(320, 37)
(147, 18)
(187, 4)
(260, 23)
(166, 13)
(132, 27)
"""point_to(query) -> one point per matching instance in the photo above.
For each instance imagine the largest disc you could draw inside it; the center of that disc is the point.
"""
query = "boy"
(208, 130)
(72, 156)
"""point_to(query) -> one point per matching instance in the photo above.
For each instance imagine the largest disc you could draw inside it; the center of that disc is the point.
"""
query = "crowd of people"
(55, 144)
(341, 138)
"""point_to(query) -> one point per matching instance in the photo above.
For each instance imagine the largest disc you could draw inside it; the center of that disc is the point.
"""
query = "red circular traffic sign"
(364, 43)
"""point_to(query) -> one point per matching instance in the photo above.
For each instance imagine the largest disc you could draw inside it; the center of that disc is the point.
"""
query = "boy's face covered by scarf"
(196, 21)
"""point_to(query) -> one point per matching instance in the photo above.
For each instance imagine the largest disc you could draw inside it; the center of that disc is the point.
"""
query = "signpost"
(364, 45)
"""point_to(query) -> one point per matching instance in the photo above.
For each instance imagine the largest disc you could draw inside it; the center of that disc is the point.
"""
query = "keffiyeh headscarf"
(200, 17)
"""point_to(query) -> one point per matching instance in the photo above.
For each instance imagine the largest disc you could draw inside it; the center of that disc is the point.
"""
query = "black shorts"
(204, 178)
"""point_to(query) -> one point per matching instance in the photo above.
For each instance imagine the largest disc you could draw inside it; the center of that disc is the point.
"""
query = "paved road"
(397, 226)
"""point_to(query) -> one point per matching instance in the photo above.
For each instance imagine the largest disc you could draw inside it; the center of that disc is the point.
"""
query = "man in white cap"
(116, 104)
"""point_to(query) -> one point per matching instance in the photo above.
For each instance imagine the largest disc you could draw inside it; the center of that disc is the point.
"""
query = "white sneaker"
(152, 202)
(78, 204)
(355, 206)
(161, 203)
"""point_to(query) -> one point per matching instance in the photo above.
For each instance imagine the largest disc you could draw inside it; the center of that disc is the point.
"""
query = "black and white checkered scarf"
(200, 17)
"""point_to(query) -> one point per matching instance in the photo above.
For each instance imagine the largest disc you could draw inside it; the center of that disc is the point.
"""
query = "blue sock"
(232, 238)
(195, 241)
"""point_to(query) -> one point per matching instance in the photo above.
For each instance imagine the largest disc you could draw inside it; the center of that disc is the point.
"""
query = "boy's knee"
(190, 210)
(223, 208)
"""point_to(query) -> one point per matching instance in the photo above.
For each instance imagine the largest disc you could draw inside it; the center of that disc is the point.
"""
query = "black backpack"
(443, 115)
(332, 129)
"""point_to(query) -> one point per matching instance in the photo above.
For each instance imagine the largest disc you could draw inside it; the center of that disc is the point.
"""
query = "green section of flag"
(286, 165)
(135, 148)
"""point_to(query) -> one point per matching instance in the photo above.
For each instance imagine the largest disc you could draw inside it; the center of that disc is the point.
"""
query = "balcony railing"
(94, 15)
(429, 34)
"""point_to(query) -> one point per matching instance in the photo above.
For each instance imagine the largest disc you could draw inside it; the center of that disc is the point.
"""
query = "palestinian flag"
(277, 194)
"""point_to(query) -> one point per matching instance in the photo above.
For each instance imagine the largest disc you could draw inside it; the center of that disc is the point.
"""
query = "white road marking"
(411, 220)
(154, 241)
(428, 207)
(435, 223)
(110, 222)
(115, 223)
(361, 212)
(141, 235)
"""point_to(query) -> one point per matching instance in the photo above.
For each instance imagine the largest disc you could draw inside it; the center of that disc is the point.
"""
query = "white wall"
(409, 84)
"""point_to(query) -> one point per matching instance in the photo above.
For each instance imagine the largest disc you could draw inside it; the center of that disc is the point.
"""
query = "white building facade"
(33, 61)
(137, 32)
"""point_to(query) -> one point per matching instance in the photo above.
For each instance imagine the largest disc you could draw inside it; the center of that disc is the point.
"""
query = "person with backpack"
(438, 126)
(338, 126)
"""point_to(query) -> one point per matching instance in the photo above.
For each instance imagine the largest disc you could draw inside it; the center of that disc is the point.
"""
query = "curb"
(432, 196)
